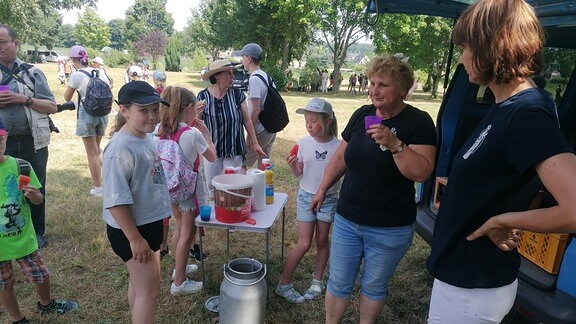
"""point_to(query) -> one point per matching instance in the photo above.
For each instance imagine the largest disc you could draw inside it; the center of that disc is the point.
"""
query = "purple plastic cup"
(371, 120)
(4, 88)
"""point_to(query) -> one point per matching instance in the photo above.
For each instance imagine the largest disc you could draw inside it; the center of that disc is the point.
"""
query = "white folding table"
(265, 219)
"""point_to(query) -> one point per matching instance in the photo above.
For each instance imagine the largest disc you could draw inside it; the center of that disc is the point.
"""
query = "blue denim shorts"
(304, 212)
(88, 125)
(378, 249)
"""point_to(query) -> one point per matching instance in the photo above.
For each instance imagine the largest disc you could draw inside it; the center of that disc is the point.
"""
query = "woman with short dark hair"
(474, 259)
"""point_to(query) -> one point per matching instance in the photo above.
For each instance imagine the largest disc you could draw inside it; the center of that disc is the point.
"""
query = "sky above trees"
(115, 9)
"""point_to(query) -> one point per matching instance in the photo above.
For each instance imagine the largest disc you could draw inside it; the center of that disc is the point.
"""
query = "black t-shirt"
(374, 192)
(497, 159)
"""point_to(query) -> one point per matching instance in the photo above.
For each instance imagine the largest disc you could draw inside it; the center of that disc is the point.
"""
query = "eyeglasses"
(3, 42)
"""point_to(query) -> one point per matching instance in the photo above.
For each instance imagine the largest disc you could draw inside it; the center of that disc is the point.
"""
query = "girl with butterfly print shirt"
(314, 153)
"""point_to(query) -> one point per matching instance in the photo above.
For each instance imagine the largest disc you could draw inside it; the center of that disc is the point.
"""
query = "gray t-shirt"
(133, 176)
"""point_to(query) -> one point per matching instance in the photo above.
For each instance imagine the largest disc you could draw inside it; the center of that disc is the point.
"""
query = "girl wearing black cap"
(135, 196)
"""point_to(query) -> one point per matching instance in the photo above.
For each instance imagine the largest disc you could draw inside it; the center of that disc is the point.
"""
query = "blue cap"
(159, 75)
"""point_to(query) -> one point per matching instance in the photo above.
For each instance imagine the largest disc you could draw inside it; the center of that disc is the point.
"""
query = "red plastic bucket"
(232, 197)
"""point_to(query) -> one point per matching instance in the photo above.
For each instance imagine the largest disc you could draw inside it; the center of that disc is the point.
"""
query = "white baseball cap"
(317, 105)
(98, 60)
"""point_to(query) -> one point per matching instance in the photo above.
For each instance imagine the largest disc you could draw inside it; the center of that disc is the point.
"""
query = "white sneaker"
(96, 191)
(190, 269)
(186, 288)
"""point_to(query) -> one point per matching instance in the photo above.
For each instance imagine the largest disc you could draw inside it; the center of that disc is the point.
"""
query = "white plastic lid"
(232, 181)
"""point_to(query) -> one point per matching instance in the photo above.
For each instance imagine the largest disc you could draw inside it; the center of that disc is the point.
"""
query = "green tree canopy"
(173, 53)
(117, 33)
(199, 33)
(425, 39)
(17, 13)
(282, 27)
(66, 36)
(342, 24)
(146, 16)
(91, 30)
(47, 26)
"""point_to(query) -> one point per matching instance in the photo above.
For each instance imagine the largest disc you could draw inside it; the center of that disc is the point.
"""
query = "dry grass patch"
(84, 268)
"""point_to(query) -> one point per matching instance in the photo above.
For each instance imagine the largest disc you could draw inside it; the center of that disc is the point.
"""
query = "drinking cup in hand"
(371, 120)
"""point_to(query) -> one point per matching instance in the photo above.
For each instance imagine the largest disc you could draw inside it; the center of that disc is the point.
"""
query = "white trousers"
(454, 305)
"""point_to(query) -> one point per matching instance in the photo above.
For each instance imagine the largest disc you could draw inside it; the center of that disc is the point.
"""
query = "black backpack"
(98, 100)
(274, 116)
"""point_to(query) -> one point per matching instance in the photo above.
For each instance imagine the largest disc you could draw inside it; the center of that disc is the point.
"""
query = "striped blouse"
(223, 117)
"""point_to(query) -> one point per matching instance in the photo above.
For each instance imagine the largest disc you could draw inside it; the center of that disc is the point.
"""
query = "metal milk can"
(243, 292)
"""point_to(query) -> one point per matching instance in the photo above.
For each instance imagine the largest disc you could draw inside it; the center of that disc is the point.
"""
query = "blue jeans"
(380, 249)
(23, 147)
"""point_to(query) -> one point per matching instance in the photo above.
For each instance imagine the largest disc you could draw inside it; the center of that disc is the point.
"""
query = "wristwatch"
(28, 101)
(398, 149)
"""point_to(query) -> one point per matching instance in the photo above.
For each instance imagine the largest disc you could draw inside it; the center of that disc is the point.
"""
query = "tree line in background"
(319, 32)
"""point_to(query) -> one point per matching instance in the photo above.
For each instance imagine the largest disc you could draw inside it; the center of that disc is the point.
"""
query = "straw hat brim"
(210, 73)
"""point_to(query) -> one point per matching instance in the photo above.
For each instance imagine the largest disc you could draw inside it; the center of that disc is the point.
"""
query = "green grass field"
(84, 267)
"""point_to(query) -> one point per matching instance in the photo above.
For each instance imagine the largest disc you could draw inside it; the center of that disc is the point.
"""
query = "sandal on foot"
(315, 290)
(289, 293)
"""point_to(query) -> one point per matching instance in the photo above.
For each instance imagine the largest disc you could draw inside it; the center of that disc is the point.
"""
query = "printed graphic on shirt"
(477, 143)
(12, 219)
(321, 156)
(158, 176)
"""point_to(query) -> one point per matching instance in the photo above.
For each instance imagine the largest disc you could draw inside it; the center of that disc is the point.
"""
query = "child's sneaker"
(195, 253)
(58, 306)
(190, 269)
(289, 293)
(315, 290)
(96, 191)
(186, 288)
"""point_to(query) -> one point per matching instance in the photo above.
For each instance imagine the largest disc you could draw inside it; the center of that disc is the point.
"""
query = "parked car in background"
(241, 78)
(547, 277)
(46, 55)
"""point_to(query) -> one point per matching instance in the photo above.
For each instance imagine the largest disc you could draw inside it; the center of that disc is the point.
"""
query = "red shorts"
(32, 266)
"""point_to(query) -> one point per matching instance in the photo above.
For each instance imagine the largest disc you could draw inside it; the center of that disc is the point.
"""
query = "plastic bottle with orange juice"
(269, 184)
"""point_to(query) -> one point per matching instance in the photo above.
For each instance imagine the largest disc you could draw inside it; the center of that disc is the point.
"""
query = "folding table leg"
(282, 243)
(228, 243)
(267, 247)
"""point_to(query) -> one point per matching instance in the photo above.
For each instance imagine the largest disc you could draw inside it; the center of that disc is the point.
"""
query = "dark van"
(547, 278)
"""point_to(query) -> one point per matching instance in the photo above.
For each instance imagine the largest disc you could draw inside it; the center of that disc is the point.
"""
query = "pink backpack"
(180, 175)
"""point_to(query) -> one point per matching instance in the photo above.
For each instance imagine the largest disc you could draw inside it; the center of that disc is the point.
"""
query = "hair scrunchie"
(84, 57)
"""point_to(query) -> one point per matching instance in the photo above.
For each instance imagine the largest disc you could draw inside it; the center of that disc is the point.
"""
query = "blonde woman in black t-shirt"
(375, 214)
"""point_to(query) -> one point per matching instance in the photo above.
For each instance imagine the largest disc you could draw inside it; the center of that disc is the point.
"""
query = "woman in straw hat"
(225, 112)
